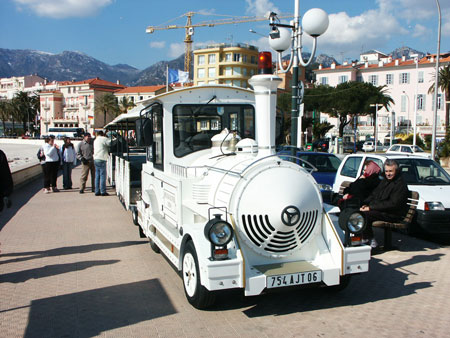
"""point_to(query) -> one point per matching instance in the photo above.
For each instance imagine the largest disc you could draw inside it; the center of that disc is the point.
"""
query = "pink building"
(405, 80)
(71, 104)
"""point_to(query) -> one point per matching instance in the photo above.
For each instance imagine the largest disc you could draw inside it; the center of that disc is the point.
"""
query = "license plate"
(298, 278)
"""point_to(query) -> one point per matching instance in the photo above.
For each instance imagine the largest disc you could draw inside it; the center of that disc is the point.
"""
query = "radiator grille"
(264, 235)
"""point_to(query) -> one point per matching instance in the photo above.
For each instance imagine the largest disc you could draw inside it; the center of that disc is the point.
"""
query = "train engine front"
(282, 235)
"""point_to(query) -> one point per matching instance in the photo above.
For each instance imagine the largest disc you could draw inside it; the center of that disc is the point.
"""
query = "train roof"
(134, 113)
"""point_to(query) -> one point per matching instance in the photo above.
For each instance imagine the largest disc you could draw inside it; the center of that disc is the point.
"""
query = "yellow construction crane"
(189, 28)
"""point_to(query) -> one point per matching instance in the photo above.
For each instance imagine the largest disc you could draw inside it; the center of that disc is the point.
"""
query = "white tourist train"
(211, 194)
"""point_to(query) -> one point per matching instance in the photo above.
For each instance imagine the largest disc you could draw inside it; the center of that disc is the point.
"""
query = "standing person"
(68, 160)
(85, 153)
(6, 181)
(51, 166)
(388, 202)
(101, 148)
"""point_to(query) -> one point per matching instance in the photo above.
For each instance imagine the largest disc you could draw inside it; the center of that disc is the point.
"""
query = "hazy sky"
(113, 31)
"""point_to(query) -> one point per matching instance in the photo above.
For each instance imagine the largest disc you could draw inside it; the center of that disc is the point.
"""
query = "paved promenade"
(74, 266)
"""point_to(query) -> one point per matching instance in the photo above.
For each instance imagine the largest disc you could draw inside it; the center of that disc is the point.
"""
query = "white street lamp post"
(407, 123)
(375, 124)
(282, 36)
(416, 60)
(436, 83)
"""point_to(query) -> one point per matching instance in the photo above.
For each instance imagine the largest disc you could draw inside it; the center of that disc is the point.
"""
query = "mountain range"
(72, 65)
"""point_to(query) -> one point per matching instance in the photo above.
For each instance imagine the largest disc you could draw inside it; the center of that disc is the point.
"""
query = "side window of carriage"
(149, 134)
(158, 149)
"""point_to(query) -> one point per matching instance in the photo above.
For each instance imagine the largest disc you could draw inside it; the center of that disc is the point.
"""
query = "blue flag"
(176, 75)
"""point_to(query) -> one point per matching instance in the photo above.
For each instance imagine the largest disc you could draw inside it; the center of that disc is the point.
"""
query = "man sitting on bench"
(388, 202)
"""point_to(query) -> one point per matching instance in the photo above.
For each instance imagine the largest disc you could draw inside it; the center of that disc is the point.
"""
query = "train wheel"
(134, 214)
(154, 247)
(344, 282)
(141, 233)
(197, 295)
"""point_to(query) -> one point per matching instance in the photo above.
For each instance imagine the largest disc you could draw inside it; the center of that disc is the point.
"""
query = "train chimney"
(265, 87)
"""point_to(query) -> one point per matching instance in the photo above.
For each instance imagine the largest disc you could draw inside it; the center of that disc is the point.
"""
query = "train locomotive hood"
(275, 204)
(277, 208)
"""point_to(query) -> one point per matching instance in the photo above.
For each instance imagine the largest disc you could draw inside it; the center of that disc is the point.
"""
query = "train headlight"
(218, 231)
(352, 220)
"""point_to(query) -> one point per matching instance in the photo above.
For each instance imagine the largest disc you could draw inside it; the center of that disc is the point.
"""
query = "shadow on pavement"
(50, 270)
(383, 281)
(70, 250)
(19, 198)
(89, 313)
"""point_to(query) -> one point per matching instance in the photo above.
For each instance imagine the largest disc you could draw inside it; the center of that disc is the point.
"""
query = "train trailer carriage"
(223, 207)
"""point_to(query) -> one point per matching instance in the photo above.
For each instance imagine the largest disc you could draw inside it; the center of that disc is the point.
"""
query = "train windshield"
(195, 125)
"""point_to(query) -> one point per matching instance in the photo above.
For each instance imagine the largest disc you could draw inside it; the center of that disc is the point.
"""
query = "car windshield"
(323, 163)
(417, 149)
(423, 172)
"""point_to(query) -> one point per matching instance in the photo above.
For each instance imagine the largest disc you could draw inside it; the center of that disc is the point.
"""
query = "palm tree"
(106, 103)
(125, 104)
(26, 107)
(4, 113)
(380, 95)
(444, 86)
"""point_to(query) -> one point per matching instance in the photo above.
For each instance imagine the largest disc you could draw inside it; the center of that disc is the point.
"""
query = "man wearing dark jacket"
(6, 182)
(85, 153)
(388, 202)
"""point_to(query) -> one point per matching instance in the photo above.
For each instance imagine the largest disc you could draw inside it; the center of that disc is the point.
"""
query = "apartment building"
(72, 104)
(10, 86)
(230, 64)
(407, 81)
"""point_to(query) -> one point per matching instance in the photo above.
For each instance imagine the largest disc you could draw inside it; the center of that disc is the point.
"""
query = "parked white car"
(368, 146)
(407, 149)
(421, 174)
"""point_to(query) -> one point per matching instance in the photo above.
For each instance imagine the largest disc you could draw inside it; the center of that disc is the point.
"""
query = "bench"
(413, 200)
(344, 185)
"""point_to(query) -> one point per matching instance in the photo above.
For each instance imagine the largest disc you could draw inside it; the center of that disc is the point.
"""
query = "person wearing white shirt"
(101, 149)
(51, 166)
(68, 161)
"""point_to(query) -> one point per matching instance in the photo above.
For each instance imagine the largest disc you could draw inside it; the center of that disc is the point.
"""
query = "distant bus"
(63, 132)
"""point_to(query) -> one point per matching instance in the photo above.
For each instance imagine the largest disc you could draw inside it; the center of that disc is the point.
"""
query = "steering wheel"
(433, 178)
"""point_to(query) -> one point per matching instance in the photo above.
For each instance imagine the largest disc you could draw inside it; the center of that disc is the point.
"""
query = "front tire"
(197, 295)
(344, 281)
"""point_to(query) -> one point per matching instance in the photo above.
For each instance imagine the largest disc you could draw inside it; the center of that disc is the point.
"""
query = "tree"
(380, 96)
(320, 129)
(444, 86)
(106, 103)
(26, 107)
(125, 103)
(5, 113)
(346, 100)
(8, 112)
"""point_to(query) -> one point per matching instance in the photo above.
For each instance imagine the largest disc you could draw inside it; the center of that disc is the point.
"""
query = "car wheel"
(197, 295)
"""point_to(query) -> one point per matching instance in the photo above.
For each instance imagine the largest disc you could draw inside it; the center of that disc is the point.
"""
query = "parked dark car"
(325, 166)
(349, 148)
(321, 145)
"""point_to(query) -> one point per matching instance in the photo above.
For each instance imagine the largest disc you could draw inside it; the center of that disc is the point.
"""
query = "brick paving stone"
(81, 270)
